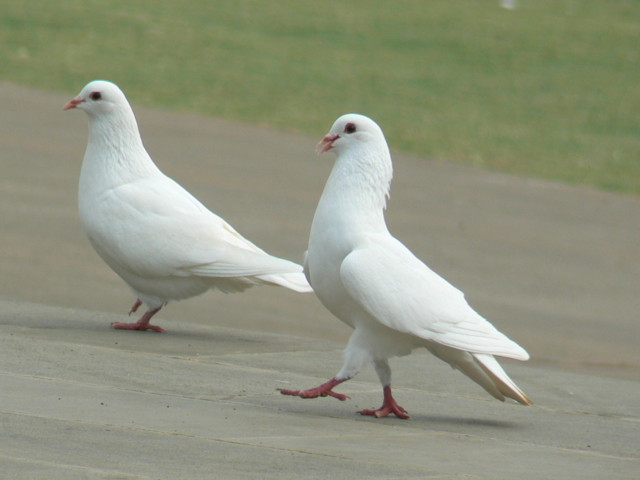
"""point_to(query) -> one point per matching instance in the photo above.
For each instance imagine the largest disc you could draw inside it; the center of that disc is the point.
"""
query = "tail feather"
(293, 281)
(483, 369)
(505, 385)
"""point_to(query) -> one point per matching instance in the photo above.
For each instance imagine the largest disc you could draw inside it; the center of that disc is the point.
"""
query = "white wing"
(401, 292)
(155, 227)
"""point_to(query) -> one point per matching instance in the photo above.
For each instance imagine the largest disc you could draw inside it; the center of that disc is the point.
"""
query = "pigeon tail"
(483, 369)
(293, 281)
(501, 380)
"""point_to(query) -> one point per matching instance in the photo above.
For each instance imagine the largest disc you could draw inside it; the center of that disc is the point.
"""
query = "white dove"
(374, 284)
(154, 234)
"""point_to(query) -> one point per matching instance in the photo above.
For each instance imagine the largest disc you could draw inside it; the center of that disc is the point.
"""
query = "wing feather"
(169, 232)
(401, 292)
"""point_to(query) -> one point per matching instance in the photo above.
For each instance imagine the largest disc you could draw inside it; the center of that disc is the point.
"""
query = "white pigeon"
(154, 234)
(374, 284)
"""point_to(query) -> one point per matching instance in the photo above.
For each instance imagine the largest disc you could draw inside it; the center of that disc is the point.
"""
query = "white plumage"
(153, 233)
(373, 283)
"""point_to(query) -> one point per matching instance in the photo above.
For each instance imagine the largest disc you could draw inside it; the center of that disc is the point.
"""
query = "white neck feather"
(357, 189)
(115, 154)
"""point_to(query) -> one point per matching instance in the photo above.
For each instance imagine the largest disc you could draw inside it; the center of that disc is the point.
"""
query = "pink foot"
(389, 405)
(319, 391)
(135, 306)
(137, 326)
(143, 323)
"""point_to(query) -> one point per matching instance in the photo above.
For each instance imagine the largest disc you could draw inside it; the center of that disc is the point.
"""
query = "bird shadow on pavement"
(465, 421)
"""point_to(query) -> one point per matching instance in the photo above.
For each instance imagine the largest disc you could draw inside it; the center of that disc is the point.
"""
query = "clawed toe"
(137, 326)
(324, 390)
(313, 393)
(389, 406)
(385, 411)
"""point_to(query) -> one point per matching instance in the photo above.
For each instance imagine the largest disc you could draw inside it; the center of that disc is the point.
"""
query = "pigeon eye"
(350, 128)
(95, 96)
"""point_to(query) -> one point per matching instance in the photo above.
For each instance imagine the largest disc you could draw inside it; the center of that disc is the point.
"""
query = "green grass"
(550, 89)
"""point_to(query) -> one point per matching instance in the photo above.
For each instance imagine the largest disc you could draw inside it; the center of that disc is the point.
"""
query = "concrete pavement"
(80, 400)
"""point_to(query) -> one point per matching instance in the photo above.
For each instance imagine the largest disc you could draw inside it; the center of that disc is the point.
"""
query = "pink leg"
(135, 306)
(389, 405)
(319, 391)
(143, 323)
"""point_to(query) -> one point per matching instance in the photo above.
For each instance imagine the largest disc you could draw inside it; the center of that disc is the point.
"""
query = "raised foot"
(135, 306)
(323, 390)
(137, 326)
(313, 393)
(389, 406)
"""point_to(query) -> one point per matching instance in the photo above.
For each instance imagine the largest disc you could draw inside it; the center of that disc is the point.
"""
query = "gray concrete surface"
(557, 268)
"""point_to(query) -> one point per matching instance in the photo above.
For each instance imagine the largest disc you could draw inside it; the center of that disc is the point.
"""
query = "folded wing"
(401, 292)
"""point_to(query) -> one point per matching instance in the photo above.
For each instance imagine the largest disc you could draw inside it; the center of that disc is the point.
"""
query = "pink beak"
(326, 143)
(73, 103)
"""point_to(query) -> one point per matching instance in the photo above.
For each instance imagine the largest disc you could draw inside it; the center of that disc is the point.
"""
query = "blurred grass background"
(549, 89)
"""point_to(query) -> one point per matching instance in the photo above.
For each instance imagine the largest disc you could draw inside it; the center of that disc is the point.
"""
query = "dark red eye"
(350, 128)
(95, 96)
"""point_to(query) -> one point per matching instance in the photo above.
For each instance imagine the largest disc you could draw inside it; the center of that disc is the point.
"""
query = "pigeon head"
(351, 131)
(98, 97)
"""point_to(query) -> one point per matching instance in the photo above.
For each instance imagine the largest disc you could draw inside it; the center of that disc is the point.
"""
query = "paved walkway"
(79, 400)
(557, 268)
